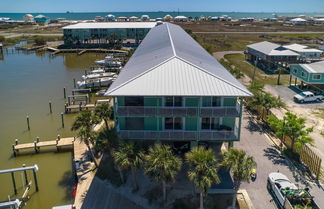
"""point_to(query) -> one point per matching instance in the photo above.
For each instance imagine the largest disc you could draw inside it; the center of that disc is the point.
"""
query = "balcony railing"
(215, 135)
(179, 111)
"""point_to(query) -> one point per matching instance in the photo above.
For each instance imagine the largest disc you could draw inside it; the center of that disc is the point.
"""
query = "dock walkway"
(36, 145)
(78, 107)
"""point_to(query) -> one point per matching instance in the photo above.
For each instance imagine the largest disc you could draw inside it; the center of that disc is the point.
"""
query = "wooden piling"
(74, 84)
(25, 174)
(35, 146)
(28, 125)
(50, 106)
(62, 119)
(14, 182)
(64, 93)
(35, 179)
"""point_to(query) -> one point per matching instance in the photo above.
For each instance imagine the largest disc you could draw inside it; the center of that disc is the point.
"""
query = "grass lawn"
(238, 62)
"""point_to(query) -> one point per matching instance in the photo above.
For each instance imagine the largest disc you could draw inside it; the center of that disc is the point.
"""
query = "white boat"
(109, 61)
(97, 75)
(101, 92)
(97, 82)
(99, 70)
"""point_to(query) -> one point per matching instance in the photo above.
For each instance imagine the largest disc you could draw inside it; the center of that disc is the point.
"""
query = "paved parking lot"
(256, 143)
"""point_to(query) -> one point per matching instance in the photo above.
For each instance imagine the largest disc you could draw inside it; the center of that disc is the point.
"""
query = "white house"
(180, 19)
(298, 21)
(305, 52)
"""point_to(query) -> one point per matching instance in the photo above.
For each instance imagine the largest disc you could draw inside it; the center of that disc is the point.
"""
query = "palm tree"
(106, 140)
(240, 165)
(104, 112)
(203, 170)
(84, 124)
(162, 165)
(128, 156)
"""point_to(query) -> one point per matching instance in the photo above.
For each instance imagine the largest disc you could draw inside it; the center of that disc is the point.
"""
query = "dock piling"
(37, 139)
(74, 83)
(25, 174)
(62, 119)
(28, 125)
(14, 182)
(35, 146)
(64, 93)
(35, 179)
(50, 106)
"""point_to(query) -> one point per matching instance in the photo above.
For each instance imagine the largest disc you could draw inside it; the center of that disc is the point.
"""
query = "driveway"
(268, 158)
(305, 110)
(220, 55)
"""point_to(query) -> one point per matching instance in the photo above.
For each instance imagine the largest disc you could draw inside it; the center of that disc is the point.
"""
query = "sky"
(46, 6)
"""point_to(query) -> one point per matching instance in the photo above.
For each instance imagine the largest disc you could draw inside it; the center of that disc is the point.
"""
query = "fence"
(307, 156)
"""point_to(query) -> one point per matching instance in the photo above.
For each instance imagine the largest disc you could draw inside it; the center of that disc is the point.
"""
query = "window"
(317, 77)
(295, 70)
(303, 74)
(210, 123)
(134, 101)
(173, 101)
(134, 123)
(211, 101)
(173, 123)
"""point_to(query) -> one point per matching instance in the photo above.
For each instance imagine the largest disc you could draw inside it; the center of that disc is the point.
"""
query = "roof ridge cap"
(205, 71)
(141, 74)
(171, 41)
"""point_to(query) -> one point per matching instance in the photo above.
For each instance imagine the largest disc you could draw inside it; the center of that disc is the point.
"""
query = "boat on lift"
(109, 61)
(97, 82)
(98, 75)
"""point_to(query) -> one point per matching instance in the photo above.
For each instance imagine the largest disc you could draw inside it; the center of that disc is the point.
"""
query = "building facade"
(87, 33)
(171, 89)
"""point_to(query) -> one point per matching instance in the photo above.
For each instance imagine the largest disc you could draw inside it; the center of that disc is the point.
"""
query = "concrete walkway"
(256, 143)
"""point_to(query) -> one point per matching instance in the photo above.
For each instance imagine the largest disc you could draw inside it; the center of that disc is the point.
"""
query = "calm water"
(27, 83)
(92, 15)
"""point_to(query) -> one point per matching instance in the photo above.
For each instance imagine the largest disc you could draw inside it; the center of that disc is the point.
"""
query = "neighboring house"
(298, 21)
(40, 19)
(312, 74)
(92, 33)
(172, 90)
(269, 55)
(305, 52)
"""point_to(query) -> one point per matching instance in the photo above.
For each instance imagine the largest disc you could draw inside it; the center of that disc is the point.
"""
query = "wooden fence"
(307, 156)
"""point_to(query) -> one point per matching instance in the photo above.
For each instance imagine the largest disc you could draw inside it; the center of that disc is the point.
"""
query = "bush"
(2, 38)
(40, 41)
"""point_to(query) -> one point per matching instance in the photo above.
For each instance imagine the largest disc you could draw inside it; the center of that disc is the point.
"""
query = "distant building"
(91, 33)
(180, 19)
(167, 18)
(110, 18)
(145, 18)
(319, 21)
(40, 19)
(268, 55)
(122, 19)
(99, 19)
(305, 52)
(29, 18)
(133, 19)
(310, 74)
(298, 21)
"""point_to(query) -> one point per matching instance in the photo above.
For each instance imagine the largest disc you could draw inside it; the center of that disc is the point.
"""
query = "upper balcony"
(179, 111)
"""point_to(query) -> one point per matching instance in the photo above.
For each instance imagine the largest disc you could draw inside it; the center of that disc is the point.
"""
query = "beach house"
(306, 53)
(311, 75)
(173, 90)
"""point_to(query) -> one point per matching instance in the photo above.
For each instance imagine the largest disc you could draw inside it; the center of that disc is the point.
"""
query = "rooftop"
(169, 62)
(316, 67)
(111, 25)
(301, 48)
(272, 49)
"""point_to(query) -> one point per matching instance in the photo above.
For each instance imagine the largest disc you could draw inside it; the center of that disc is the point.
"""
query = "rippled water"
(27, 83)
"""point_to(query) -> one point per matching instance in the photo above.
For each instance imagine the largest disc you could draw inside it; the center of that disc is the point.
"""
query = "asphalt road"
(13, 35)
(268, 158)
(259, 32)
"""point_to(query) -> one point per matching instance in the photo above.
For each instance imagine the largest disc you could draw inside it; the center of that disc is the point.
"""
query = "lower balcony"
(221, 135)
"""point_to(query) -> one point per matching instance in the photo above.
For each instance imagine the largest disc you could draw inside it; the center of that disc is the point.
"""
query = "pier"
(82, 51)
(36, 145)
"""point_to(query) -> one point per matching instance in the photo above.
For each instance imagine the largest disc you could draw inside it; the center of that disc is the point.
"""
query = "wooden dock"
(79, 107)
(36, 145)
(82, 51)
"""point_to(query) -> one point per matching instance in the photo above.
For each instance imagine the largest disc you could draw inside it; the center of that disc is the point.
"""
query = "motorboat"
(97, 82)
(109, 61)
(101, 92)
(98, 75)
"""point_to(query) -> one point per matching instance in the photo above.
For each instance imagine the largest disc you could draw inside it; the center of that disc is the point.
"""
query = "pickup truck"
(307, 96)
(287, 195)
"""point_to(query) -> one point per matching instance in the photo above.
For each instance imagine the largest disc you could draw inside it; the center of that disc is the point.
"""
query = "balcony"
(216, 135)
(179, 111)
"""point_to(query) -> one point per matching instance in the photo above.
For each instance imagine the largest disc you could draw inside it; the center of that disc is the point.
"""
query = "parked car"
(307, 96)
(287, 195)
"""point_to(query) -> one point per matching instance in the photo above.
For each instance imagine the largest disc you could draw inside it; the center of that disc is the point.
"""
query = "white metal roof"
(298, 19)
(271, 49)
(169, 62)
(316, 67)
(301, 48)
(111, 25)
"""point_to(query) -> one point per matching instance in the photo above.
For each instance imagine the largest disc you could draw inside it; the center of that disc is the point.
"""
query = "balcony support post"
(240, 119)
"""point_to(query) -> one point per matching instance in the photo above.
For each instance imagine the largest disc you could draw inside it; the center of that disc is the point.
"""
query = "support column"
(295, 82)
(14, 182)
(290, 80)
(230, 144)
(240, 120)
